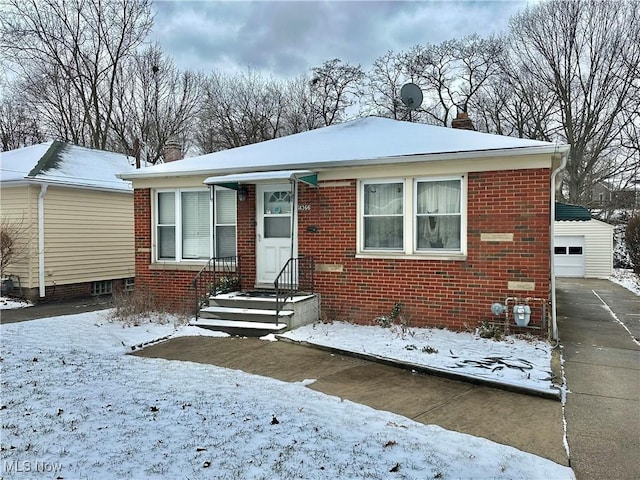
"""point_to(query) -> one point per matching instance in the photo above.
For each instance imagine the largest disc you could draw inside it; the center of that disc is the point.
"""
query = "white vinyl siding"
(88, 236)
(598, 245)
(19, 207)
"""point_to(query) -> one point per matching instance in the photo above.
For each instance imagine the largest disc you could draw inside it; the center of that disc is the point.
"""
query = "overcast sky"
(286, 38)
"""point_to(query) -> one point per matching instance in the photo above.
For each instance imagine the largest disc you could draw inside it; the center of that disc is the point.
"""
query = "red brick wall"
(455, 294)
(171, 289)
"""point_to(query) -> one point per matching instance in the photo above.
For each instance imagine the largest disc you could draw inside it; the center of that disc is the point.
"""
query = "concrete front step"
(267, 301)
(244, 314)
(238, 327)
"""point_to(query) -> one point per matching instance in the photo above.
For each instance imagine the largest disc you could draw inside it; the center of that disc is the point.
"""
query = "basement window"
(103, 287)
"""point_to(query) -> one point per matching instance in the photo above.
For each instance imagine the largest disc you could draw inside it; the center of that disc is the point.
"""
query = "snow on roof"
(370, 140)
(61, 163)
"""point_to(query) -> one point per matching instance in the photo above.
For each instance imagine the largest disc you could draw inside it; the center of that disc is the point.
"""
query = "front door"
(274, 205)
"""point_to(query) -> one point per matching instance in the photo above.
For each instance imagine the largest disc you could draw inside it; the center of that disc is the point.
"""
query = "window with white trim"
(413, 216)
(189, 228)
(383, 215)
(438, 215)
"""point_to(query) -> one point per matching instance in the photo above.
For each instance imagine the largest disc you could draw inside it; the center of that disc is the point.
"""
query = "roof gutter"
(563, 162)
(43, 192)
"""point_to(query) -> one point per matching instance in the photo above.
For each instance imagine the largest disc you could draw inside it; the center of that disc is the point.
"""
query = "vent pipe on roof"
(462, 121)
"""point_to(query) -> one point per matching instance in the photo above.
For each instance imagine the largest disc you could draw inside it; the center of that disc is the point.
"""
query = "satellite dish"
(411, 95)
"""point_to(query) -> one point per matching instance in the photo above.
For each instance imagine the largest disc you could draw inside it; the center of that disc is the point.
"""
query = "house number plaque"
(304, 208)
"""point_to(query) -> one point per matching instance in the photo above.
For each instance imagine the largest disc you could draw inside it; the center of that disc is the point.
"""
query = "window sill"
(188, 266)
(453, 257)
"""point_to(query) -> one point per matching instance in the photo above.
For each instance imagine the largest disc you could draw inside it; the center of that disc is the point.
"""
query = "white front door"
(274, 208)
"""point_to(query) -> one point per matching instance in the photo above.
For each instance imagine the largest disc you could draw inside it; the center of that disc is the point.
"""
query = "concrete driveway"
(599, 324)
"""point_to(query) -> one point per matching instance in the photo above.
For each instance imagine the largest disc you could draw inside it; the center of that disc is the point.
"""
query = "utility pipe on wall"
(563, 162)
(41, 276)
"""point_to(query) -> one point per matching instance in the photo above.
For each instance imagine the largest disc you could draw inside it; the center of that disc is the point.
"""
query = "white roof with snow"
(60, 163)
(366, 141)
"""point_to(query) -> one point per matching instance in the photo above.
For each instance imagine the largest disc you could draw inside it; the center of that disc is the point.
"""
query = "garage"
(568, 254)
(583, 246)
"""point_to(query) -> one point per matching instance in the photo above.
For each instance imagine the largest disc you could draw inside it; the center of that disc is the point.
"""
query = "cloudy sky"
(286, 38)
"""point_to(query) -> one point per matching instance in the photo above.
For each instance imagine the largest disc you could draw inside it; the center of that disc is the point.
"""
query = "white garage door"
(569, 256)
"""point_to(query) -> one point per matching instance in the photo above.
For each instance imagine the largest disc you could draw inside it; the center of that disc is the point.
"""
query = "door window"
(277, 214)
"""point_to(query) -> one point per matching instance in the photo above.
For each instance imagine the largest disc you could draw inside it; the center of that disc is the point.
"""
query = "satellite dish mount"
(411, 96)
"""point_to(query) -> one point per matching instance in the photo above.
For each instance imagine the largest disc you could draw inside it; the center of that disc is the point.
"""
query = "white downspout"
(554, 321)
(43, 192)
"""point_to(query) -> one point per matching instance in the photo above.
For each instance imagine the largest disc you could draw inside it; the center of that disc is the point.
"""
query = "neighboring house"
(76, 218)
(605, 195)
(444, 221)
(583, 246)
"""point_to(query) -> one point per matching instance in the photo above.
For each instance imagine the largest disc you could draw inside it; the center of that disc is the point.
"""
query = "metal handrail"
(219, 275)
(296, 276)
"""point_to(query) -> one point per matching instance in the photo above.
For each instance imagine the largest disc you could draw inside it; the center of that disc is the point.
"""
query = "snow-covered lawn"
(9, 302)
(74, 405)
(512, 361)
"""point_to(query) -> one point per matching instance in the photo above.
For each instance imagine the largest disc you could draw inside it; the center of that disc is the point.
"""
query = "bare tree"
(383, 83)
(155, 102)
(586, 53)
(335, 87)
(69, 53)
(13, 243)
(239, 110)
(19, 124)
(452, 73)
(300, 114)
(514, 104)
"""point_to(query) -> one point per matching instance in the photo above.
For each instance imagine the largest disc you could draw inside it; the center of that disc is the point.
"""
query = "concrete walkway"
(55, 309)
(602, 369)
(531, 424)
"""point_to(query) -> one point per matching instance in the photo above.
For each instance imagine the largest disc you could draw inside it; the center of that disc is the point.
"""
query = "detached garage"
(583, 246)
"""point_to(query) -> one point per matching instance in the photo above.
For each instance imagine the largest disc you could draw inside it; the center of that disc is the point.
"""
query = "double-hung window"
(383, 215)
(188, 227)
(413, 216)
(438, 215)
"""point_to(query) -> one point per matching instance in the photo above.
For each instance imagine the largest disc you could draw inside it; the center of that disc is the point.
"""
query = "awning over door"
(232, 181)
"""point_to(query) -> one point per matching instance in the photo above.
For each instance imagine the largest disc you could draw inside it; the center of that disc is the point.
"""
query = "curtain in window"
(383, 216)
(225, 233)
(195, 224)
(166, 226)
(438, 215)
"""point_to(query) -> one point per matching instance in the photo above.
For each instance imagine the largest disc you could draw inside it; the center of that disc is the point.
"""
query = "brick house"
(444, 221)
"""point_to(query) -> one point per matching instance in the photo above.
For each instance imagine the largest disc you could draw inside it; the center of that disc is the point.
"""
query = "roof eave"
(389, 160)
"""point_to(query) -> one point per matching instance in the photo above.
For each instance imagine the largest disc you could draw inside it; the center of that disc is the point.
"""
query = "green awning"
(232, 181)
(566, 212)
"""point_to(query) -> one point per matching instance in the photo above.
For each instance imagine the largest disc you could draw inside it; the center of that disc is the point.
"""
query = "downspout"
(554, 174)
(43, 192)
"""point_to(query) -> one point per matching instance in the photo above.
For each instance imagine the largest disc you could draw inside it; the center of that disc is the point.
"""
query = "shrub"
(139, 307)
(489, 330)
(632, 240)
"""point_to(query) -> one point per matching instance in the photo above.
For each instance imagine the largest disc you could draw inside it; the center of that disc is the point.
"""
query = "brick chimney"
(462, 121)
(172, 150)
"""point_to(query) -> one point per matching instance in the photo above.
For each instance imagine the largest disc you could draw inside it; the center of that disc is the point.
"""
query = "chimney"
(172, 150)
(462, 121)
